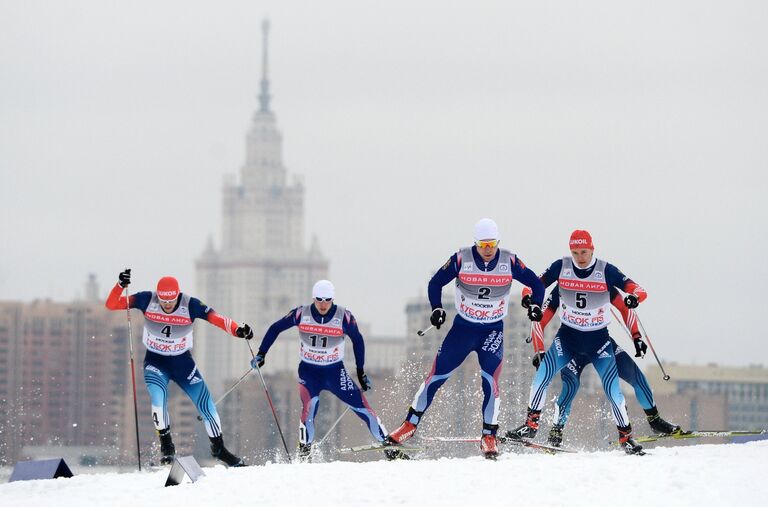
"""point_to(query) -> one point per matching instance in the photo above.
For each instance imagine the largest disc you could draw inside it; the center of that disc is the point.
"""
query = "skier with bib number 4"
(168, 317)
(584, 283)
(484, 274)
(323, 326)
(628, 370)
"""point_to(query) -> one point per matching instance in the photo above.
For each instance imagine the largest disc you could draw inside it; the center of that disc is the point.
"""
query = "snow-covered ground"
(703, 475)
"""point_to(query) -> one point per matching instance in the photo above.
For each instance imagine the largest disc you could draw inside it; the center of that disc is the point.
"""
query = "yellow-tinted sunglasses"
(490, 243)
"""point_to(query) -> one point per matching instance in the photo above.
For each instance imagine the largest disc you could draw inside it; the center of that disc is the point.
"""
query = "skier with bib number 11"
(323, 326)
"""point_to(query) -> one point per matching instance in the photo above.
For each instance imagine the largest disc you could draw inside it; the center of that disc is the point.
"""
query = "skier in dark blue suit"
(322, 328)
(484, 275)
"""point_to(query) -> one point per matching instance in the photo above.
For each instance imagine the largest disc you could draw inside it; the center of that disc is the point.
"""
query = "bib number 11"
(323, 340)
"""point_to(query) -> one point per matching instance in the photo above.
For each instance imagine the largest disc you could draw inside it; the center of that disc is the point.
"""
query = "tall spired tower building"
(263, 268)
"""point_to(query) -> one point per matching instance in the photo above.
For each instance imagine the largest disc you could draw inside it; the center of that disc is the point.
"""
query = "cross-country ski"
(685, 435)
(511, 442)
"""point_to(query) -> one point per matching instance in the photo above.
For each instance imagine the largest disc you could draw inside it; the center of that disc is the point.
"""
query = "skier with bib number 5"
(571, 375)
(584, 283)
(168, 317)
(484, 274)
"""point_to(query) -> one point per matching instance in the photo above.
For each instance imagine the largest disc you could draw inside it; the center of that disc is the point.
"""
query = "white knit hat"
(323, 289)
(486, 229)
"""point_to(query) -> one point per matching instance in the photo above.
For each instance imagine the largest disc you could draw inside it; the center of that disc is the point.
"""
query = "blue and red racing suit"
(583, 335)
(168, 354)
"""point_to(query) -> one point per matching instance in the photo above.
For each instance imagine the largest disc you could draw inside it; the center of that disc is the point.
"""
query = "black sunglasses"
(323, 299)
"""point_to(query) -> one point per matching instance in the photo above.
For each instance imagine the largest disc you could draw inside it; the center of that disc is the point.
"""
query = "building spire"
(264, 95)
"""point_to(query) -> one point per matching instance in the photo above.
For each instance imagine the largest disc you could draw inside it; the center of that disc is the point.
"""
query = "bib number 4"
(166, 331)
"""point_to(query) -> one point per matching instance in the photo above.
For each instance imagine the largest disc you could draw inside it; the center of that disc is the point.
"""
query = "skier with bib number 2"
(484, 274)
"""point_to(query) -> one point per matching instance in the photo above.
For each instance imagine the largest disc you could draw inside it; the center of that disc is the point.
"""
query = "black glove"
(640, 347)
(244, 331)
(258, 360)
(437, 318)
(526, 301)
(536, 361)
(534, 313)
(124, 278)
(631, 301)
(365, 382)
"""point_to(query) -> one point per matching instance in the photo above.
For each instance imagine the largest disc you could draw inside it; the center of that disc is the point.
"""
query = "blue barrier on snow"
(40, 469)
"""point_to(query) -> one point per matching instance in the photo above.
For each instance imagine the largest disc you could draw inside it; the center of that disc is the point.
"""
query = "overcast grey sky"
(644, 123)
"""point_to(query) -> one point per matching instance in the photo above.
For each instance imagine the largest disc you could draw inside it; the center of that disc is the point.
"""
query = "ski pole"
(621, 323)
(216, 403)
(537, 337)
(332, 426)
(271, 405)
(642, 328)
(422, 332)
(133, 374)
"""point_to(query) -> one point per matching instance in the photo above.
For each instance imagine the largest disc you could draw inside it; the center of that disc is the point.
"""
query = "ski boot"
(555, 437)
(167, 449)
(401, 434)
(627, 443)
(527, 430)
(488, 446)
(222, 454)
(659, 425)
(488, 441)
(304, 451)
